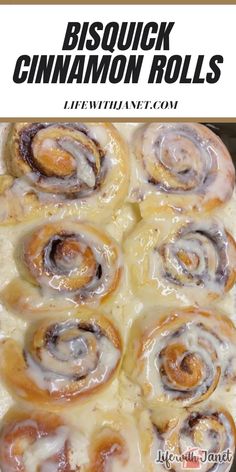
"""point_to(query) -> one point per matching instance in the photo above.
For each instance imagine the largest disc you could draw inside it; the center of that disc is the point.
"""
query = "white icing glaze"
(162, 356)
(125, 308)
(47, 379)
(43, 449)
(187, 159)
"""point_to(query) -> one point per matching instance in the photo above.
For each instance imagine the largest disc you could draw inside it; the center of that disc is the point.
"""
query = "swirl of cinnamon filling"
(62, 361)
(181, 358)
(63, 265)
(47, 154)
(181, 259)
(31, 442)
(181, 159)
(198, 253)
(116, 445)
(203, 437)
(74, 166)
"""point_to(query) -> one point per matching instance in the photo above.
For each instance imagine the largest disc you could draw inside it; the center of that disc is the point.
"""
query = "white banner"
(117, 61)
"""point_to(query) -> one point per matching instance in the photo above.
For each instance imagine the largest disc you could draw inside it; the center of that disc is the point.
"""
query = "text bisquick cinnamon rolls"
(117, 298)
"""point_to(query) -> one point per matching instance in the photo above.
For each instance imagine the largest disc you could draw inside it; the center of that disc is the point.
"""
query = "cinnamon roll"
(62, 361)
(63, 265)
(79, 168)
(199, 439)
(116, 445)
(181, 260)
(108, 446)
(33, 441)
(181, 165)
(182, 357)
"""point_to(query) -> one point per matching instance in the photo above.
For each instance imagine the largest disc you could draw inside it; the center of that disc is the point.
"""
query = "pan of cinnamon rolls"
(117, 297)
